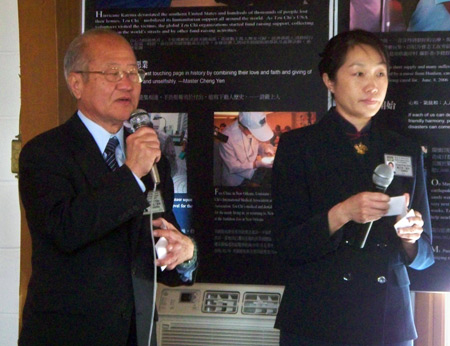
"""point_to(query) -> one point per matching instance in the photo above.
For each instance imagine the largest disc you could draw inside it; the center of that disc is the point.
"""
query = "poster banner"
(210, 64)
(223, 58)
(417, 105)
(206, 65)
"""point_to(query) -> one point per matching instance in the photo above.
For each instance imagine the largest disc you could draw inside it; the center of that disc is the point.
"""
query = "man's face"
(107, 103)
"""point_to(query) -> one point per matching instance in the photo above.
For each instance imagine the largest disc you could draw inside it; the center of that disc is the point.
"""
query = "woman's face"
(360, 85)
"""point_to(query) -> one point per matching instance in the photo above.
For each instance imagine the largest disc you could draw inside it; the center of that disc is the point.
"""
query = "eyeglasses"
(115, 75)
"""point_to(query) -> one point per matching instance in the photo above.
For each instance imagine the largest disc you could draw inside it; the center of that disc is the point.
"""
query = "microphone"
(382, 177)
(138, 119)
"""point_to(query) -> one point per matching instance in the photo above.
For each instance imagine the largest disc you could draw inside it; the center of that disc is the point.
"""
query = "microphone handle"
(366, 235)
(155, 174)
(369, 226)
(377, 188)
(154, 171)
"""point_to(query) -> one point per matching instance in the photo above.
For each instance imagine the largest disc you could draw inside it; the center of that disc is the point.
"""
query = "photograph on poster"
(173, 137)
(400, 15)
(122, 4)
(245, 144)
(107, 4)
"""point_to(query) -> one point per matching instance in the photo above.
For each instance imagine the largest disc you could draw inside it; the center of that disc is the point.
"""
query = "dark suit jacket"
(92, 251)
(336, 291)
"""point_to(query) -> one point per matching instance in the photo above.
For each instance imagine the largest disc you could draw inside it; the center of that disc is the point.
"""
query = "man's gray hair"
(77, 55)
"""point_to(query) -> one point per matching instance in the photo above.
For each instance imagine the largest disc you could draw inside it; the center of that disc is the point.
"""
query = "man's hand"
(265, 162)
(143, 151)
(180, 247)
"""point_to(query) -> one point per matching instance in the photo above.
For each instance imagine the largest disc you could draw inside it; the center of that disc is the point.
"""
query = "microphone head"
(139, 118)
(382, 176)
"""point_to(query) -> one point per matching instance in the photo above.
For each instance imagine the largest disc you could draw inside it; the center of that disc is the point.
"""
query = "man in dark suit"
(338, 293)
(92, 263)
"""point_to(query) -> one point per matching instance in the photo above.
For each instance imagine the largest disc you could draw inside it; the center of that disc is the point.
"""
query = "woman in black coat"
(338, 293)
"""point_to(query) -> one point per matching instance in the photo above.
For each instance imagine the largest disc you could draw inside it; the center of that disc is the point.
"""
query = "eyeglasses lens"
(114, 75)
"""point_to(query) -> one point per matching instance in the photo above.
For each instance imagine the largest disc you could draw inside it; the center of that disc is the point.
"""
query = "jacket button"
(347, 277)
(381, 279)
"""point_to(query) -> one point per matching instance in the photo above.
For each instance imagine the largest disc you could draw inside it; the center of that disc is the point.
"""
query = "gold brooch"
(361, 149)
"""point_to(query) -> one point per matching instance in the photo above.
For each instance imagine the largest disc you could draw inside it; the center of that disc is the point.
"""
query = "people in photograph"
(392, 165)
(430, 15)
(365, 15)
(84, 188)
(107, 4)
(276, 135)
(168, 150)
(400, 15)
(341, 289)
(245, 155)
(377, 15)
(180, 177)
(119, 4)
(167, 145)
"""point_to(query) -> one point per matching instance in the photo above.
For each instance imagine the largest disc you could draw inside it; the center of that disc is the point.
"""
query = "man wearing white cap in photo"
(241, 154)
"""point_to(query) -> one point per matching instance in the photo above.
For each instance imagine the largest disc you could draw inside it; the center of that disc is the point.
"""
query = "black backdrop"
(204, 62)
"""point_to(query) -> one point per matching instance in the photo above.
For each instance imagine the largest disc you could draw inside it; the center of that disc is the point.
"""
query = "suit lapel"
(90, 159)
(85, 150)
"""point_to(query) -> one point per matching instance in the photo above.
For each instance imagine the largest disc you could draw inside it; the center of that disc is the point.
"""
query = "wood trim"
(45, 29)
(430, 319)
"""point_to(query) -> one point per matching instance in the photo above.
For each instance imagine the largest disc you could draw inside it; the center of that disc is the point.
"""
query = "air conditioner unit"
(218, 314)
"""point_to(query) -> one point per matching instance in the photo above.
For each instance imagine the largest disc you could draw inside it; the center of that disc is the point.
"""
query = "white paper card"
(397, 206)
(161, 250)
(404, 222)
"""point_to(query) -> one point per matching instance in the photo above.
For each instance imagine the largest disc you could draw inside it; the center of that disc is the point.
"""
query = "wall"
(9, 200)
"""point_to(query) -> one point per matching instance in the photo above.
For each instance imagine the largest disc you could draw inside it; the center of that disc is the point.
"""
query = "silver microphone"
(138, 119)
(381, 178)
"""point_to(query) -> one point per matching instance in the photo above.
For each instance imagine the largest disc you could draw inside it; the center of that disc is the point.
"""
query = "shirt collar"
(350, 129)
(101, 136)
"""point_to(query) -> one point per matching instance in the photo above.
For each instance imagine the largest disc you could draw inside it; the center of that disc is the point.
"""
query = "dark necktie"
(110, 152)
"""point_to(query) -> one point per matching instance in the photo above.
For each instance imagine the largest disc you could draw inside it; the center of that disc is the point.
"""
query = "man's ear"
(75, 83)
(328, 82)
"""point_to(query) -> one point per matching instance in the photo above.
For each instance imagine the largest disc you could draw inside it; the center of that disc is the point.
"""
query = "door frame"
(45, 30)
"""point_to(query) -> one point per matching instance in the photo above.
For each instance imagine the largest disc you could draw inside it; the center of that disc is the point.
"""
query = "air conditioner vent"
(261, 303)
(220, 302)
(203, 334)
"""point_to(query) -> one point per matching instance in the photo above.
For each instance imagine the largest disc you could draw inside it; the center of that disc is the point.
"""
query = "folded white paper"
(404, 222)
(161, 249)
(397, 206)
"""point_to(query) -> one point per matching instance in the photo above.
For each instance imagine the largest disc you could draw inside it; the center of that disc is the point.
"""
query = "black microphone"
(138, 119)
(381, 178)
